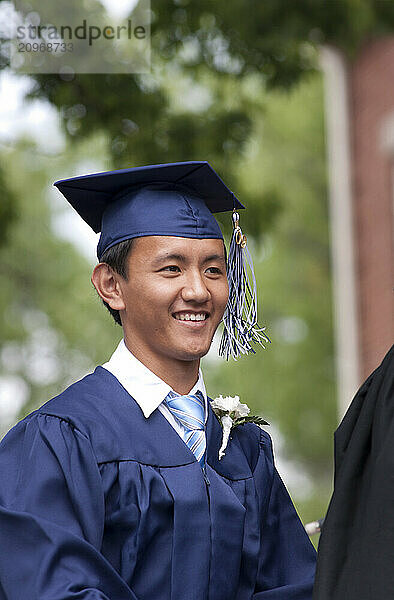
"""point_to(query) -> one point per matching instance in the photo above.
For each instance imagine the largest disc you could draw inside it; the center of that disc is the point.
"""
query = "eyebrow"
(166, 257)
(181, 258)
(213, 257)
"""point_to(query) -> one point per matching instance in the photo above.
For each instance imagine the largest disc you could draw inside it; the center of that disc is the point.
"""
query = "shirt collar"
(147, 389)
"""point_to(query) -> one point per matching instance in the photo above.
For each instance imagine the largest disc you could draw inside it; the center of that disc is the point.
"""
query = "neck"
(180, 375)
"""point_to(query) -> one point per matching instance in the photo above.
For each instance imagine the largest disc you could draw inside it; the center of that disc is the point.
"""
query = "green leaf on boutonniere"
(250, 419)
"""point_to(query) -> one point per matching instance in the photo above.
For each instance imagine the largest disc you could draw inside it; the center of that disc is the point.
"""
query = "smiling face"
(174, 298)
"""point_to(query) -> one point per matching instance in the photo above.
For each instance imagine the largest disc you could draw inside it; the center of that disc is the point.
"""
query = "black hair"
(116, 257)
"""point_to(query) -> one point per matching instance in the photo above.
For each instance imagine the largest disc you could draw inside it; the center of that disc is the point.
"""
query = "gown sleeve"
(52, 516)
(287, 560)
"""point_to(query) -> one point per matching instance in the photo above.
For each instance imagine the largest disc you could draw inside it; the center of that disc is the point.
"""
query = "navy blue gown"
(99, 503)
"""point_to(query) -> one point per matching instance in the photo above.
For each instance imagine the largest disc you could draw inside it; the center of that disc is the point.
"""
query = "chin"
(189, 354)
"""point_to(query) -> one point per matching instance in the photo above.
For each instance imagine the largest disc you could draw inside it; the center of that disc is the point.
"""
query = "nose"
(195, 289)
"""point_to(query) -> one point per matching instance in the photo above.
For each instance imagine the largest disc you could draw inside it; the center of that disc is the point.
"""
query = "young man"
(114, 490)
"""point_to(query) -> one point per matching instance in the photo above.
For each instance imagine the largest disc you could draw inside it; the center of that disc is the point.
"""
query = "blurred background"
(293, 104)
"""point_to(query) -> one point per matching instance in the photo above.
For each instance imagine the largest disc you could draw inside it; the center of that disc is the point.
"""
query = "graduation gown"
(99, 503)
(356, 549)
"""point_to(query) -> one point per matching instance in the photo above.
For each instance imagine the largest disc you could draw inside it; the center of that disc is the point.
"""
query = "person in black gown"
(356, 548)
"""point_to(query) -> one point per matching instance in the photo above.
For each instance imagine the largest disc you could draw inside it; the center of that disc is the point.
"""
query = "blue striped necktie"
(189, 411)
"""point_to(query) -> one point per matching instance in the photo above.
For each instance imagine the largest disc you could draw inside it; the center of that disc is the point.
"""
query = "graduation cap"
(174, 199)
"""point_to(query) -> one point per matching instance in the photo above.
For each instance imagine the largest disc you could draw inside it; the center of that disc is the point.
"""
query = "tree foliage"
(274, 40)
(52, 327)
(214, 48)
(8, 209)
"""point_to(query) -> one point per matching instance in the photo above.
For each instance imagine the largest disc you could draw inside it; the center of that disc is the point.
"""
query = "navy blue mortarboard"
(175, 199)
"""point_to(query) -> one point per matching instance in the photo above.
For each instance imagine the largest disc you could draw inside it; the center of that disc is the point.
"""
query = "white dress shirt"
(147, 389)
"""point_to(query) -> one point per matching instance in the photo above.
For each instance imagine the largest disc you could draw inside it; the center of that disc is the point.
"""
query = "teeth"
(190, 317)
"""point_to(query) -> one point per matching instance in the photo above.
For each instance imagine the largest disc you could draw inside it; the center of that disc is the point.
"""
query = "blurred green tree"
(273, 40)
(212, 49)
(52, 326)
(8, 211)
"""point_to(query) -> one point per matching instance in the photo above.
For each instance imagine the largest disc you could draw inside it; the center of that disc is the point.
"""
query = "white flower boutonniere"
(231, 413)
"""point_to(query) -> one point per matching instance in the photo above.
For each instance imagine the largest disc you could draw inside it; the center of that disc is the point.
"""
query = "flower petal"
(227, 423)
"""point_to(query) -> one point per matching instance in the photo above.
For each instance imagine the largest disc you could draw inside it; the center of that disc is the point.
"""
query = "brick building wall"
(371, 112)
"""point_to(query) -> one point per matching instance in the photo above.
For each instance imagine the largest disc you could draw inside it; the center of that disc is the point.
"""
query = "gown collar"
(147, 389)
(155, 442)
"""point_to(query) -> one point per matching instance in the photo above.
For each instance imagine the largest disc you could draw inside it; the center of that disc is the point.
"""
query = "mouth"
(191, 317)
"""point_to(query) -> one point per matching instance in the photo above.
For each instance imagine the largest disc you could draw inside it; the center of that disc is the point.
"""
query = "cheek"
(224, 293)
(150, 296)
(221, 298)
(136, 298)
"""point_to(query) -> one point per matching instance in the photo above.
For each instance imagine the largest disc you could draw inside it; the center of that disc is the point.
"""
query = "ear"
(106, 282)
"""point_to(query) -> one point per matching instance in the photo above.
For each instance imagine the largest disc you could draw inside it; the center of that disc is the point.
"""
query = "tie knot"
(189, 410)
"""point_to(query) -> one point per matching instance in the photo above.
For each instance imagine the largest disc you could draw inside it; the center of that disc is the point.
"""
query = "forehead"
(154, 246)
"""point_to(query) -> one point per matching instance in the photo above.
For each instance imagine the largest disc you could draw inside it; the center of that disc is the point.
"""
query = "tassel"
(241, 328)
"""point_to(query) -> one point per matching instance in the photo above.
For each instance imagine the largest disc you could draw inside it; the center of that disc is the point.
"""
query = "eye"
(214, 271)
(171, 269)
